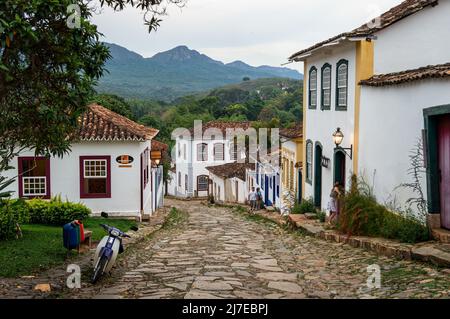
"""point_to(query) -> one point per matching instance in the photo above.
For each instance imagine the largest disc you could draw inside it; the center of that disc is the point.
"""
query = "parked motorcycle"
(108, 249)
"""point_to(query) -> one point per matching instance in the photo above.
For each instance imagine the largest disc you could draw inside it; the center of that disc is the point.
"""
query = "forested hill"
(271, 102)
(176, 73)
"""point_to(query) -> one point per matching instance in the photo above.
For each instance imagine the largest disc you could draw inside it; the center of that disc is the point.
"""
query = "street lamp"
(156, 157)
(338, 137)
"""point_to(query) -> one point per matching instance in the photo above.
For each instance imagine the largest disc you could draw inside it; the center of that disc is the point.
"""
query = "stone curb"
(425, 252)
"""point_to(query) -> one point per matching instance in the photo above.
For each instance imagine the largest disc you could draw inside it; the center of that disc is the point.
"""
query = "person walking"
(333, 206)
(252, 200)
(258, 199)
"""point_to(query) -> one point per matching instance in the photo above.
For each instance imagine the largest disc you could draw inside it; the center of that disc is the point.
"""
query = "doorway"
(437, 149)
(318, 176)
(443, 134)
(339, 168)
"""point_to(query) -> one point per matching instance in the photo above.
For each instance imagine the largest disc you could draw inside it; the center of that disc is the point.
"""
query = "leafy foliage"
(53, 212)
(243, 102)
(11, 214)
(362, 215)
(306, 206)
(46, 73)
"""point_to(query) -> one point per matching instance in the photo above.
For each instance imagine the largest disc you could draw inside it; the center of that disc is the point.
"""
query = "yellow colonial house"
(291, 161)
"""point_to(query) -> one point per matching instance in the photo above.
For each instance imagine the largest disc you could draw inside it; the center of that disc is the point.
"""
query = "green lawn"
(42, 247)
(98, 232)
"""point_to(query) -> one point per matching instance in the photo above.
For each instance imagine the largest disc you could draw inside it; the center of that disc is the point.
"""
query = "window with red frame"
(34, 177)
(95, 177)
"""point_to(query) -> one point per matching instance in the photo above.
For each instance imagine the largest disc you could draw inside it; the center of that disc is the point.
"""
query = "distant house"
(108, 168)
(228, 182)
(291, 163)
(386, 86)
(193, 154)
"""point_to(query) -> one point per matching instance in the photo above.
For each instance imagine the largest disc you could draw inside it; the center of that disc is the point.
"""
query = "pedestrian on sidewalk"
(258, 199)
(333, 203)
(252, 200)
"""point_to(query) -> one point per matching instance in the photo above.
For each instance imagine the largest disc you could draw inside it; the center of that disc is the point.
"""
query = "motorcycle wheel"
(98, 271)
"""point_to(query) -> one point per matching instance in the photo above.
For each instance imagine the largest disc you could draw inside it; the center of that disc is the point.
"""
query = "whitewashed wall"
(193, 168)
(125, 182)
(391, 124)
(320, 125)
(419, 40)
(216, 183)
(242, 190)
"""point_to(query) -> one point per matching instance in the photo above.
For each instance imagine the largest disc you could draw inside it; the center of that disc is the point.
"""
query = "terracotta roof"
(223, 126)
(159, 146)
(231, 170)
(101, 124)
(428, 72)
(403, 10)
(293, 132)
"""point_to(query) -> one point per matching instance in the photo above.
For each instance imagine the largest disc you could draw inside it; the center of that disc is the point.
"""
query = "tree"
(50, 59)
(246, 79)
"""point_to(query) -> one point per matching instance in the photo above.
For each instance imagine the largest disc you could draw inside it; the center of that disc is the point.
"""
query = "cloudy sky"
(255, 31)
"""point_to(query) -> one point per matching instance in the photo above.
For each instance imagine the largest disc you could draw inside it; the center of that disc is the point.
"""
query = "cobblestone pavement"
(221, 253)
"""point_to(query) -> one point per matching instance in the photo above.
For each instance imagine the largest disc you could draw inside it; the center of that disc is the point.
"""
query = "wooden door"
(318, 178)
(444, 168)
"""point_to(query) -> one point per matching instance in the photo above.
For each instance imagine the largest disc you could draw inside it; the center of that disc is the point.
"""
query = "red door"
(444, 168)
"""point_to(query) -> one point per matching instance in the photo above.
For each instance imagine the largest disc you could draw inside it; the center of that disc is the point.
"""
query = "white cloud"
(255, 31)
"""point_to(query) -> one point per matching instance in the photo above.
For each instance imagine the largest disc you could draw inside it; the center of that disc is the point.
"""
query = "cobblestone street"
(220, 253)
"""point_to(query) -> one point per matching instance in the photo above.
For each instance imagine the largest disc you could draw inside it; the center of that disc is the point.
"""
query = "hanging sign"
(125, 160)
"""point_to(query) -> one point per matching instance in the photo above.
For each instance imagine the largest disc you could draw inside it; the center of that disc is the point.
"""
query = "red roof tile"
(101, 124)
(231, 170)
(428, 72)
(403, 10)
(293, 132)
(223, 126)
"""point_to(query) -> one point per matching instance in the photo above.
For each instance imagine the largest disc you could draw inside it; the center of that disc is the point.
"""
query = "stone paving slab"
(270, 263)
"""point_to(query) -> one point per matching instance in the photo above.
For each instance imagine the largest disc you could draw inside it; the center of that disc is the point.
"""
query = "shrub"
(306, 206)
(11, 214)
(55, 212)
(321, 216)
(362, 215)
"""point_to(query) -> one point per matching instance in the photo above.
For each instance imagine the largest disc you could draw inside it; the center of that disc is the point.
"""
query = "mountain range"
(175, 73)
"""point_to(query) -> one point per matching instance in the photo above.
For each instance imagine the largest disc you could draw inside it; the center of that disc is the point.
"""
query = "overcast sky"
(255, 31)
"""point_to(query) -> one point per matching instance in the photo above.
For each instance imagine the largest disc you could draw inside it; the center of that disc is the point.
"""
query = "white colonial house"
(108, 168)
(228, 182)
(195, 151)
(383, 87)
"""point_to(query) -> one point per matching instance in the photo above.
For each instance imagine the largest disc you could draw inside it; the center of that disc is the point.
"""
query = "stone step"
(441, 235)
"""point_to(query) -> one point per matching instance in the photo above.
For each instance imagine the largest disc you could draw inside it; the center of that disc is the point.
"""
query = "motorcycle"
(108, 249)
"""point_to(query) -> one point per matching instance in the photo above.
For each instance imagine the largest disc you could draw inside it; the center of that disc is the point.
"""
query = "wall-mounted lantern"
(338, 137)
(156, 156)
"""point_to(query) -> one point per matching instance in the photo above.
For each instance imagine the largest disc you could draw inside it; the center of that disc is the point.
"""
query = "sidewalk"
(431, 252)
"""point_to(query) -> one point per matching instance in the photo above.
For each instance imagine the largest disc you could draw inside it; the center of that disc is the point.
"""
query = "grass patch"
(42, 247)
(39, 249)
(175, 218)
(98, 232)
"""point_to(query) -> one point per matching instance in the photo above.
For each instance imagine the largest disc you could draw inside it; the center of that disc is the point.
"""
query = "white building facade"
(396, 92)
(108, 168)
(193, 153)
